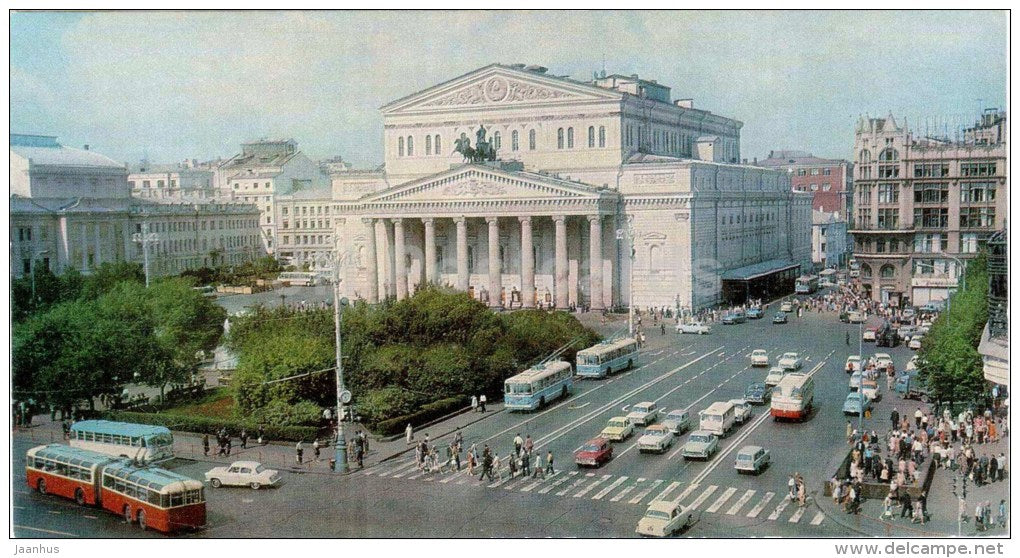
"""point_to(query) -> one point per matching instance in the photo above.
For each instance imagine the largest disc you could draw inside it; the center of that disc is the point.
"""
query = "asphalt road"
(676, 371)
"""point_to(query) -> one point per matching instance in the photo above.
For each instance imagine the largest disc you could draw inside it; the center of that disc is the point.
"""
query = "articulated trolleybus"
(806, 284)
(140, 442)
(538, 385)
(607, 357)
(792, 398)
(151, 497)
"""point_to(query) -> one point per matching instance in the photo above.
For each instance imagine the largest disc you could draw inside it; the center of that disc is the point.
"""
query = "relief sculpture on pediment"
(497, 90)
(474, 188)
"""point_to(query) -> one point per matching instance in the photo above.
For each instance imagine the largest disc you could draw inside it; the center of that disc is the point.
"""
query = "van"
(718, 418)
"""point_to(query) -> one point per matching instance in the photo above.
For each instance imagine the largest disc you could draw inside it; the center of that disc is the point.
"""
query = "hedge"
(211, 425)
(427, 412)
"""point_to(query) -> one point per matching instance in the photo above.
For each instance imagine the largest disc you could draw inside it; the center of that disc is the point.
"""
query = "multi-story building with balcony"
(922, 206)
(177, 182)
(306, 229)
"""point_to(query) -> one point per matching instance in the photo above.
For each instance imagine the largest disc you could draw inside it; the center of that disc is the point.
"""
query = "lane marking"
(757, 509)
(591, 486)
(721, 500)
(701, 499)
(740, 503)
(632, 446)
(795, 518)
(45, 531)
(662, 495)
(685, 493)
(612, 486)
(779, 509)
(576, 483)
(623, 493)
(640, 495)
(819, 517)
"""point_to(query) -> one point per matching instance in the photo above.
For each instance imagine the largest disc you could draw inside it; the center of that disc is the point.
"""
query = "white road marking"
(640, 495)
(685, 493)
(779, 509)
(602, 493)
(761, 505)
(819, 517)
(662, 495)
(795, 518)
(583, 405)
(591, 486)
(623, 493)
(701, 499)
(517, 481)
(575, 484)
(740, 503)
(558, 482)
(44, 530)
(721, 500)
(632, 446)
(457, 475)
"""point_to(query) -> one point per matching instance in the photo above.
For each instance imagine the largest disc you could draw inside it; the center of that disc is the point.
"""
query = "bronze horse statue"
(483, 150)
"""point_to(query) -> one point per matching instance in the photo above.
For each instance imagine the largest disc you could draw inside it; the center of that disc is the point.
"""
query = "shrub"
(427, 412)
(202, 425)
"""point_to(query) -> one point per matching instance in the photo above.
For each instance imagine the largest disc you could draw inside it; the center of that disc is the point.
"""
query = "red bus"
(152, 497)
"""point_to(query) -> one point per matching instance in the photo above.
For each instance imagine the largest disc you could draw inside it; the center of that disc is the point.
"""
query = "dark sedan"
(779, 318)
(758, 393)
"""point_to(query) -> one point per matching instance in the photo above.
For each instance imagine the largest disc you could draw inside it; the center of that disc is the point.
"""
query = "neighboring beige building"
(306, 229)
(72, 208)
(178, 182)
(921, 204)
(584, 170)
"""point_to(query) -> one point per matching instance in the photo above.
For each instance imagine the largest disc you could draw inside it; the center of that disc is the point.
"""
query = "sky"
(173, 85)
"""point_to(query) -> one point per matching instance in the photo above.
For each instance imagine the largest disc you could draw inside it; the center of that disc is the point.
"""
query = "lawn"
(216, 403)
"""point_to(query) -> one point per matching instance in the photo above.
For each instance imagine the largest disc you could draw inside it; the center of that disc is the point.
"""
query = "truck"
(910, 386)
(718, 418)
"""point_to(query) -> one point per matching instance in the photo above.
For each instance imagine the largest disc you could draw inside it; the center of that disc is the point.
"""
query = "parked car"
(790, 361)
(883, 361)
(915, 342)
(594, 453)
(774, 376)
(758, 393)
(663, 518)
(780, 318)
(755, 313)
(906, 332)
(732, 318)
(856, 380)
(872, 391)
(617, 429)
(742, 411)
(786, 306)
(759, 357)
(912, 363)
(656, 439)
(243, 473)
(679, 421)
(869, 334)
(694, 327)
(752, 459)
(853, 364)
(700, 445)
(643, 413)
(855, 404)
(855, 317)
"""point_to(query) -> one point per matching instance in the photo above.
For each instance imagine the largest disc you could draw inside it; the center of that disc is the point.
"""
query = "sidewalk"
(277, 455)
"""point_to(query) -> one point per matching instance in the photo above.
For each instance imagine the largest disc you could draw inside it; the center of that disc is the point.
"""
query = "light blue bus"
(607, 357)
(141, 442)
(538, 385)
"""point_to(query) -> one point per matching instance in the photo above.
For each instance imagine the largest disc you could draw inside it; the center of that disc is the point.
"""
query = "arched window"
(410, 146)
(400, 145)
(515, 140)
(439, 150)
(559, 138)
(888, 271)
(653, 256)
(591, 136)
(428, 145)
(865, 157)
(602, 136)
(570, 138)
(866, 270)
(496, 140)
(888, 154)
(531, 140)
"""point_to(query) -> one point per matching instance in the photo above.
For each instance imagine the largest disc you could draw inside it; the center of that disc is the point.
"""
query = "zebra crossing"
(621, 489)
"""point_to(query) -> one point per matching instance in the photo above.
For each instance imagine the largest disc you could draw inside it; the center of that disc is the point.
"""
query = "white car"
(912, 363)
(915, 342)
(694, 327)
(882, 360)
(869, 334)
(243, 473)
(759, 357)
(787, 306)
(871, 390)
(656, 439)
(643, 413)
(855, 381)
(662, 519)
(852, 361)
(790, 361)
(775, 376)
(742, 411)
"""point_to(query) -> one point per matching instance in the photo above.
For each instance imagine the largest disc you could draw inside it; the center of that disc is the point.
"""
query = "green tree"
(109, 275)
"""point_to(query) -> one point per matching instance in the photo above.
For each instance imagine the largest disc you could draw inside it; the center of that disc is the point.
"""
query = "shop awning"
(749, 272)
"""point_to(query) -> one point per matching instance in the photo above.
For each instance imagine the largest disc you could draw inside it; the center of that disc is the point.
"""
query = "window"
(827, 186)
(888, 271)
(591, 136)
(515, 140)
(880, 246)
(410, 146)
(863, 218)
(977, 192)
(864, 172)
(570, 138)
(559, 138)
(284, 212)
(814, 172)
(801, 172)
(977, 169)
(602, 136)
(428, 145)
(931, 243)
(438, 151)
(970, 243)
(826, 172)
(863, 195)
(931, 192)
(888, 155)
(888, 193)
(531, 140)
(866, 271)
(888, 171)
(814, 187)
(931, 170)
(977, 217)
(865, 157)
(888, 218)
(400, 146)
(497, 140)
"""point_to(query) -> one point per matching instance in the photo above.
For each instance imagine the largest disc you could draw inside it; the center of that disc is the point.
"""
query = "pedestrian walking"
(205, 444)
(529, 444)
(481, 403)
(496, 467)
(409, 433)
(262, 432)
(474, 403)
(848, 339)
(315, 448)
(549, 463)
(1001, 522)
(662, 328)
(230, 442)
(525, 463)
(518, 444)
(244, 439)
(300, 452)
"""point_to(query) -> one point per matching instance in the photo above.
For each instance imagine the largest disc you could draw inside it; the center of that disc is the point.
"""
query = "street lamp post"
(343, 396)
(630, 286)
(145, 237)
(860, 380)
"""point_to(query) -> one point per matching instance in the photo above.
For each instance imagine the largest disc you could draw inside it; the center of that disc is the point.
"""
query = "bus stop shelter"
(764, 280)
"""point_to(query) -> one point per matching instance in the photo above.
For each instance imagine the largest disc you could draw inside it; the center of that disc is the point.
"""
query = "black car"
(758, 393)
(780, 318)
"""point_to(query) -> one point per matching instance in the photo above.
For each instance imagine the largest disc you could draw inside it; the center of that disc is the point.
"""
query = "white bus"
(140, 442)
(718, 418)
(792, 398)
(607, 357)
(538, 385)
(806, 284)
(298, 278)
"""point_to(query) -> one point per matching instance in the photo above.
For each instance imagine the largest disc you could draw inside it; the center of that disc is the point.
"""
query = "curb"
(447, 433)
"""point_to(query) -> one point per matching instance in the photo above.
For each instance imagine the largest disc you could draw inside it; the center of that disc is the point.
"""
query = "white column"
(561, 262)
(595, 260)
(98, 242)
(382, 242)
(527, 264)
(495, 273)
(462, 253)
(373, 261)
(84, 239)
(430, 249)
(399, 258)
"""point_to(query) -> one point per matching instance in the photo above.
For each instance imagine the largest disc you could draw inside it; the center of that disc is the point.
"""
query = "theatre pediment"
(480, 183)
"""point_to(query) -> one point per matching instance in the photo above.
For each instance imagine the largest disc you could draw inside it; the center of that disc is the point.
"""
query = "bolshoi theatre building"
(529, 189)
